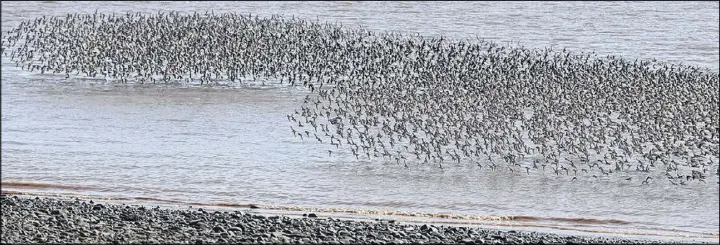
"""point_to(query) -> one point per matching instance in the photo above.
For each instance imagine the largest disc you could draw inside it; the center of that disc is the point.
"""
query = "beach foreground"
(32, 220)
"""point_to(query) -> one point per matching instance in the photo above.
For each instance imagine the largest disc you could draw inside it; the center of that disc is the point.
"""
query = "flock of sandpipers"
(410, 99)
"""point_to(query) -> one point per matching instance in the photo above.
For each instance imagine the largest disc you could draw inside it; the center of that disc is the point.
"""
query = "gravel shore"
(32, 220)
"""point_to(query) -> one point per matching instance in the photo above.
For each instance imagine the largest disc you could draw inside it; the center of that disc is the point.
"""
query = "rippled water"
(234, 145)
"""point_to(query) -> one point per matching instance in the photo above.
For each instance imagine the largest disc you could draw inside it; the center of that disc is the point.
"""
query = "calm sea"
(233, 146)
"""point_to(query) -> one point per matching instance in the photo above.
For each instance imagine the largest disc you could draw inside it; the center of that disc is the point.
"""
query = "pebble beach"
(56, 220)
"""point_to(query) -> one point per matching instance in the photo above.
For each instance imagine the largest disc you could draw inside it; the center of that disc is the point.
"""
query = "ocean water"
(230, 147)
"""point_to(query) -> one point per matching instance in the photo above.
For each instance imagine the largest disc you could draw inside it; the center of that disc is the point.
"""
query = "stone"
(130, 217)
(468, 241)
(218, 229)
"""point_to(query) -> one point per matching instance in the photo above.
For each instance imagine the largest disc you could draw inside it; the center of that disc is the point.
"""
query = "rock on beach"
(53, 220)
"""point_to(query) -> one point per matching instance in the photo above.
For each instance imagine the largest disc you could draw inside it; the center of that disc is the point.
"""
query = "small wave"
(63, 195)
(178, 120)
(36, 185)
(10, 142)
(48, 186)
(157, 200)
(229, 205)
(572, 220)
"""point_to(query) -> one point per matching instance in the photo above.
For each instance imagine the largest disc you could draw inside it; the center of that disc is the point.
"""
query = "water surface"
(234, 146)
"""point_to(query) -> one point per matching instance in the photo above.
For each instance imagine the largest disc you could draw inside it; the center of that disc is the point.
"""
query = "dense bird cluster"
(412, 99)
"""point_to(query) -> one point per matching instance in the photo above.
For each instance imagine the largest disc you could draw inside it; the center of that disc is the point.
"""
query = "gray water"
(215, 146)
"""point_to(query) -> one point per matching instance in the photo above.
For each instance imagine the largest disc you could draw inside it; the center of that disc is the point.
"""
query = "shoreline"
(27, 219)
(610, 228)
